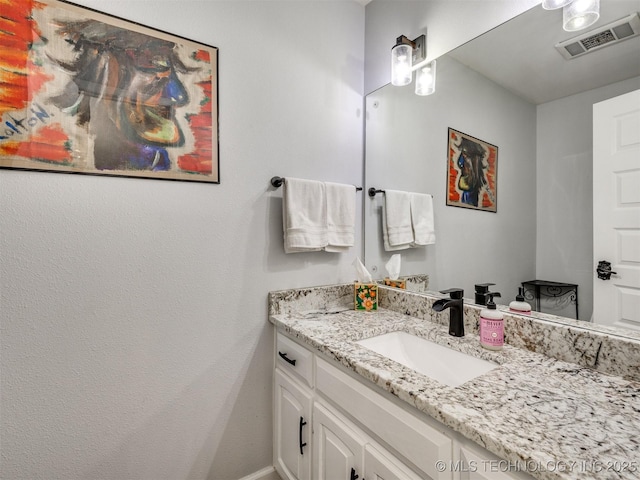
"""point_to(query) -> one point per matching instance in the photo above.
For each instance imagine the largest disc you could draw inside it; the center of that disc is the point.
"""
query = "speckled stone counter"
(552, 418)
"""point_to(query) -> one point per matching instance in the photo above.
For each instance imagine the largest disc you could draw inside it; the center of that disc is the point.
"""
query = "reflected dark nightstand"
(562, 293)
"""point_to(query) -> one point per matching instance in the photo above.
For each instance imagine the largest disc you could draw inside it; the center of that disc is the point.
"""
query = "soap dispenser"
(519, 305)
(491, 325)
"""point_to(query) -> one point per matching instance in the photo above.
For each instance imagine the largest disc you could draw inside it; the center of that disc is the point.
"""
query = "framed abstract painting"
(85, 92)
(472, 172)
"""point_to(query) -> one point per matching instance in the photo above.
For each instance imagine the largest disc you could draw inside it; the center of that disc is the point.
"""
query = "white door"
(616, 210)
(292, 437)
(337, 449)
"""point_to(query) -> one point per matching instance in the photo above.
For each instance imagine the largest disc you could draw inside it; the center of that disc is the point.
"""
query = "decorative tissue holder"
(399, 283)
(365, 296)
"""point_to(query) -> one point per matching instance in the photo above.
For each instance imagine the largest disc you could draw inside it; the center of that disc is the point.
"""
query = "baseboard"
(267, 473)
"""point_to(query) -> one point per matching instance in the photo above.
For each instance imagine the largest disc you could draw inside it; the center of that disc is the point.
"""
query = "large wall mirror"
(510, 88)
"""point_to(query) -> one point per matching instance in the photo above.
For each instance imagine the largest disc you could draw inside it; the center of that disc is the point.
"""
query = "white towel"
(385, 235)
(341, 216)
(304, 215)
(398, 217)
(422, 219)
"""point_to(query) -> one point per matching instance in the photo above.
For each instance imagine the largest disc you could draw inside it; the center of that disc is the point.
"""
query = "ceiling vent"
(600, 37)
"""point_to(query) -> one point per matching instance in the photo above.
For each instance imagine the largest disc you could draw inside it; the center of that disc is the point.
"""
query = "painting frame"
(93, 93)
(472, 172)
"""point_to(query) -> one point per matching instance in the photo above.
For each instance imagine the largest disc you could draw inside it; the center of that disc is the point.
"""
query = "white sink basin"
(443, 364)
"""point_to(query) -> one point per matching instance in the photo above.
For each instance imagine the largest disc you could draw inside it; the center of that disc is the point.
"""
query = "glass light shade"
(401, 64)
(554, 4)
(580, 14)
(426, 79)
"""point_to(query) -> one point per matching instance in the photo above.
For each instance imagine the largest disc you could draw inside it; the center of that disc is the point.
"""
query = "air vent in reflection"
(600, 37)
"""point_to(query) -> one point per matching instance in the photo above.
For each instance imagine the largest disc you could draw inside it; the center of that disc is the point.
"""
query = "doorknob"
(604, 270)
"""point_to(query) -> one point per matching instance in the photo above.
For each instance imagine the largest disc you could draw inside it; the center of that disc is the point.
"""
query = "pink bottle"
(491, 325)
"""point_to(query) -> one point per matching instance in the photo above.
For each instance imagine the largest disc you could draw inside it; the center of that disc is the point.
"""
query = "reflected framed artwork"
(86, 92)
(472, 172)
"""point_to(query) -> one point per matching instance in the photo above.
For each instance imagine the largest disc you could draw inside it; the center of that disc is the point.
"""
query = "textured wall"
(135, 342)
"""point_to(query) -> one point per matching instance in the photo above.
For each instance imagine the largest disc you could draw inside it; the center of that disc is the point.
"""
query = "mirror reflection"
(513, 89)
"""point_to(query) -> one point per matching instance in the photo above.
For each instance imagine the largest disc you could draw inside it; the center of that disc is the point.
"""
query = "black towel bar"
(278, 181)
(372, 192)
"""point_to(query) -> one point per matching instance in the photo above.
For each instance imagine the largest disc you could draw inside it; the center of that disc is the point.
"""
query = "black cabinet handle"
(287, 359)
(302, 424)
(353, 474)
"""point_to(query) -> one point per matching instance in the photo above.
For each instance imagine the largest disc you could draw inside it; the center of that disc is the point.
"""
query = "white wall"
(406, 149)
(565, 191)
(133, 312)
(135, 342)
(447, 24)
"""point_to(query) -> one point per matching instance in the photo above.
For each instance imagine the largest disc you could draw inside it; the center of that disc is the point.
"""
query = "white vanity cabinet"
(329, 425)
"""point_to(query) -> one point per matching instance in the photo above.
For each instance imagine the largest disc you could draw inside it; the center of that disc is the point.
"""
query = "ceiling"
(520, 55)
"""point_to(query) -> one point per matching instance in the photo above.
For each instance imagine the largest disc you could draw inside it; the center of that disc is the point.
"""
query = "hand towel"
(385, 235)
(422, 219)
(341, 216)
(304, 215)
(398, 213)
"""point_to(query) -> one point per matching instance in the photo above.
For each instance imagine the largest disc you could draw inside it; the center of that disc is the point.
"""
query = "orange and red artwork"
(86, 92)
(472, 172)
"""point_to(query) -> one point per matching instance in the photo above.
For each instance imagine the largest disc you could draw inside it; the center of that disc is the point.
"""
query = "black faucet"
(481, 292)
(456, 310)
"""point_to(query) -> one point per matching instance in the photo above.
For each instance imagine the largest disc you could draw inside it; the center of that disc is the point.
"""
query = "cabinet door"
(380, 466)
(338, 449)
(292, 429)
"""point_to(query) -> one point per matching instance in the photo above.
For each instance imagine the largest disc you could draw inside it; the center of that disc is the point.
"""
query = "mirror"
(510, 88)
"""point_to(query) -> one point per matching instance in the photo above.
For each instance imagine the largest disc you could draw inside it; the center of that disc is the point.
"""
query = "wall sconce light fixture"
(576, 14)
(580, 14)
(407, 56)
(402, 61)
(426, 79)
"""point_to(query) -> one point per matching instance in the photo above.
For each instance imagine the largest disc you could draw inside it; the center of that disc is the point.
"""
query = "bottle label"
(491, 332)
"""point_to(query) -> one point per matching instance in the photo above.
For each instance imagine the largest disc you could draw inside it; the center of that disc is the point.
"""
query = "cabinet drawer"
(294, 358)
(420, 443)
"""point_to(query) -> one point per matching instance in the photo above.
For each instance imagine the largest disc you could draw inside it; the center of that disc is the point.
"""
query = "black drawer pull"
(302, 424)
(353, 474)
(287, 359)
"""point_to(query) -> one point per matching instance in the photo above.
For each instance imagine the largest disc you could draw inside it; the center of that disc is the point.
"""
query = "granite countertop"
(550, 418)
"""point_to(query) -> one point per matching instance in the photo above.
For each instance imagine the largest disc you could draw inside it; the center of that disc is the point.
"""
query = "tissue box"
(399, 283)
(365, 296)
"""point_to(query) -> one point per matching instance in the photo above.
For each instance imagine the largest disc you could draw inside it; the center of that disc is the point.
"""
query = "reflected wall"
(406, 149)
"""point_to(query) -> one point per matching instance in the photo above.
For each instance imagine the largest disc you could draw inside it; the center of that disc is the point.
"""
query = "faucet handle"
(454, 293)
(490, 296)
(483, 287)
